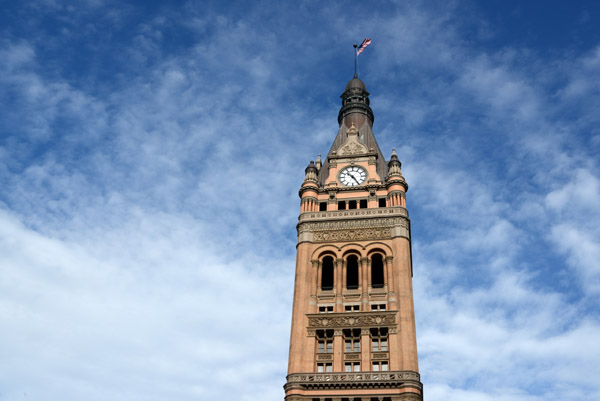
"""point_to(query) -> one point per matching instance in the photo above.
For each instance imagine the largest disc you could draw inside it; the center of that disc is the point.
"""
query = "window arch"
(327, 273)
(377, 275)
(352, 272)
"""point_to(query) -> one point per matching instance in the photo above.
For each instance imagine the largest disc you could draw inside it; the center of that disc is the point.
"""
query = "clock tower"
(353, 323)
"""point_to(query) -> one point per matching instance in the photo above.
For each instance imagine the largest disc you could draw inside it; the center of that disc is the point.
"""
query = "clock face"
(353, 176)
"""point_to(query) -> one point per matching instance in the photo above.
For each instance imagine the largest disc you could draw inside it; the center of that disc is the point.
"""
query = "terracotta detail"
(364, 219)
(352, 235)
(350, 320)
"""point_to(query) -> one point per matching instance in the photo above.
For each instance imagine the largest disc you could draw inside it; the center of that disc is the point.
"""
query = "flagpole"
(355, 57)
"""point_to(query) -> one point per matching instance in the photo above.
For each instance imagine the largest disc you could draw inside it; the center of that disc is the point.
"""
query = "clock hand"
(354, 178)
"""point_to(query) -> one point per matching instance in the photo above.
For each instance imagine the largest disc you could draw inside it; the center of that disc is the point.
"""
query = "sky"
(151, 155)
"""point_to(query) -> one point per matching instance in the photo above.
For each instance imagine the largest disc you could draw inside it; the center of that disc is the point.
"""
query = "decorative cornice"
(358, 188)
(364, 156)
(382, 222)
(354, 214)
(351, 225)
(391, 379)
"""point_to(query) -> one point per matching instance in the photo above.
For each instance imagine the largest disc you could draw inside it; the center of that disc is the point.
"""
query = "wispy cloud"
(150, 158)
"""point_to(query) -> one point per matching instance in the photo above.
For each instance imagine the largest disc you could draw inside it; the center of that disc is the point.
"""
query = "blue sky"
(151, 154)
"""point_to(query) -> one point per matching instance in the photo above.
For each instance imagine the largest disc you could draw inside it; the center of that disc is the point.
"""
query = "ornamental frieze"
(344, 321)
(352, 235)
(353, 229)
(391, 379)
(352, 224)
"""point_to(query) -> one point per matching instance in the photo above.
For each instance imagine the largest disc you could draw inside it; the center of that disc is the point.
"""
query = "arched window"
(377, 278)
(352, 272)
(327, 273)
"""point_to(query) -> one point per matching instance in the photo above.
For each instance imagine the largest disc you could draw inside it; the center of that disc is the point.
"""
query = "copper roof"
(355, 110)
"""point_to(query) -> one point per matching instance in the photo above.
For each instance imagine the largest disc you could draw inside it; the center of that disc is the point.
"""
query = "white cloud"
(163, 312)
(147, 223)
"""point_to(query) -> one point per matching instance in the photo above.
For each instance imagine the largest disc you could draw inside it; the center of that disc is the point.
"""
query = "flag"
(363, 46)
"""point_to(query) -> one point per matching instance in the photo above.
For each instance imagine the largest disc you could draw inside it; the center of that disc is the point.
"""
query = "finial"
(394, 152)
(352, 130)
(311, 172)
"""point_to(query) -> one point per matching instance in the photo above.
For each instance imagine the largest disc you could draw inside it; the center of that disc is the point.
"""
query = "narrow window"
(352, 366)
(379, 339)
(363, 203)
(352, 272)
(352, 204)
(341, 205)
(352, 308)
(382, 202)
(324, 367)
(325, 309)
(327, 274)
(322, 206)
(377, 271)
(377, 307)
(324, 341)
(351, 340)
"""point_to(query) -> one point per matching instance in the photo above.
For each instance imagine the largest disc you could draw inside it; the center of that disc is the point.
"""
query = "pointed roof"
(355, 111)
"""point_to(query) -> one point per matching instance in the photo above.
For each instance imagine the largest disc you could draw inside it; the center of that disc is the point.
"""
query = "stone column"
(319, 274)
(338, 351)
(365, 350)
(339, 279)
(389, 270)
(311, 346)
(314, 284)
(364, 282)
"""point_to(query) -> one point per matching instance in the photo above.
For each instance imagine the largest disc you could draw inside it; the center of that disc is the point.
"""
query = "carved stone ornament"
(352, 235)
(352, 146)
(391, 379)
(354, 224)
(336, 321)
(396, 211)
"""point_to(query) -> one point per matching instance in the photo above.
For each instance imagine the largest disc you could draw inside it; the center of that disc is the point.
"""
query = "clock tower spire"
(353, 326)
